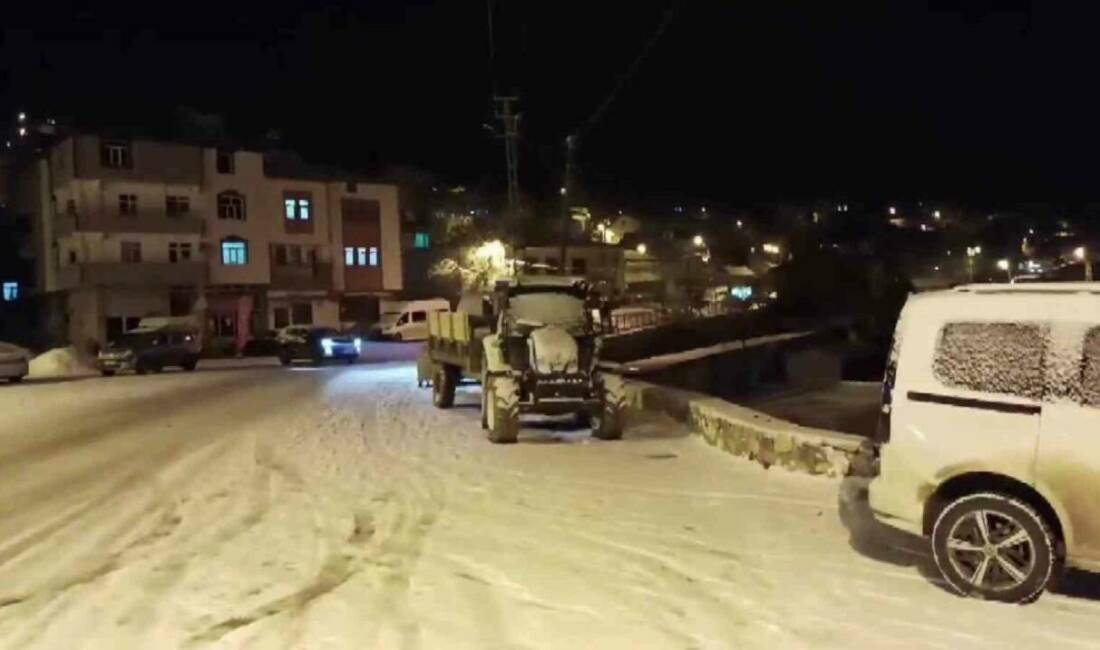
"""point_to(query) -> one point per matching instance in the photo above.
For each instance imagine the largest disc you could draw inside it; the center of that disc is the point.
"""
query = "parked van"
(409, 321)
(989, 438)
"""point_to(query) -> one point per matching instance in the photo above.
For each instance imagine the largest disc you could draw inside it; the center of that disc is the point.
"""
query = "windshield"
(536, 309)
(132, 340)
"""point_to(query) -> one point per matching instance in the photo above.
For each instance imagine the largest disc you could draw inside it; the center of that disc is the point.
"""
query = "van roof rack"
(1031, 287)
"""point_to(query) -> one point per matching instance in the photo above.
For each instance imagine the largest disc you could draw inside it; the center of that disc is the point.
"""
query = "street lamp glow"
(641, 248)
(563, 191)
(771, 248)
(1002, 265)
(22, 131)
(893, 210)
(936, 214)
(1079, 252)
(697, 240)
(22, 116)
(600, 227)
(739, 224)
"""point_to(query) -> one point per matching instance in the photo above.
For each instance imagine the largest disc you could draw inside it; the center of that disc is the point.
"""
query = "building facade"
(129, 228)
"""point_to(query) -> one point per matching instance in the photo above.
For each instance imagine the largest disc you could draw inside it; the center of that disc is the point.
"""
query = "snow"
(335, 508)
(58, 363)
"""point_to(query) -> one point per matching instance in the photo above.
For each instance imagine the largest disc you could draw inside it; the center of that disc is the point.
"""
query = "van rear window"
(1003, 358)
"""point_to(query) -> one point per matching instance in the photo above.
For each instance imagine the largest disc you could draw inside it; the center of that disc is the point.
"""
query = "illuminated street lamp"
(893, 211)
(739, 223)
(971, 253)
(936, 214)
(1004, 265)
(697, 240)
(771, 248)
(22, 116)
(1082, 254)
(641, 248)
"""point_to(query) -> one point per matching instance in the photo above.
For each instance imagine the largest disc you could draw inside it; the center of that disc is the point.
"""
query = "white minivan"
(989, 439)
(408, 321)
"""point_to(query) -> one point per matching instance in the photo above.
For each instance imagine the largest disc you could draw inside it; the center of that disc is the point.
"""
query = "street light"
(893, 210)
(971, 253)
(771, 248)
(563, 191)
(1082, 254)
(1004, 265)
(641, 248)
(739, 223)
(697, 240)
(936, 214)
(22, 116)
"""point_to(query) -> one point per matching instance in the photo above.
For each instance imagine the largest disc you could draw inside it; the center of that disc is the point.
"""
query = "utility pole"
(509, 119)
(566, 188)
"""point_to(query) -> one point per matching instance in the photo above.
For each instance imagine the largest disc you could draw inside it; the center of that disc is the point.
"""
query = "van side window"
(1090, 368)
(419, 316)
(1005, 358)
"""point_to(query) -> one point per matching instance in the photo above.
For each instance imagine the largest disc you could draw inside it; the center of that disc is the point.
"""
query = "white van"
(408, 321)
(989, 439)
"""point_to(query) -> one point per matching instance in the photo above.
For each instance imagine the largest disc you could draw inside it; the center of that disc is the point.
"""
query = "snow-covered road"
(335, 508)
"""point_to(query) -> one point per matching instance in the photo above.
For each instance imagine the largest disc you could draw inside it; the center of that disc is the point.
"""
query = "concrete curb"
(744, 432)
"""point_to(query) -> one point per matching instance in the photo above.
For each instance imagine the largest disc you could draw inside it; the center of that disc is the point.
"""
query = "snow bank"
(58, 362)
(744, 432)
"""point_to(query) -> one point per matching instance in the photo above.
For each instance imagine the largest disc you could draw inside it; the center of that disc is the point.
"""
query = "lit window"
(422, 240)
(290, 206)
(234, 252)
(362, 255)
(373, 261)
(11, 291)
(114, 154)
(303, 209)
(349, 256)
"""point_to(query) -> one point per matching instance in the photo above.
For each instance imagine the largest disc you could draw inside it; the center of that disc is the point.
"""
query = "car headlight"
(358, 344)
(326, 345)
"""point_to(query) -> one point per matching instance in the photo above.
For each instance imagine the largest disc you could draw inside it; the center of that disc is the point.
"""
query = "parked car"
(14, 362)
(988, 439)
(317, 344)
(146, 350)
(409, 321)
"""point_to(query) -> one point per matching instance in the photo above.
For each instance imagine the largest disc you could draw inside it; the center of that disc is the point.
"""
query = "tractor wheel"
(443, 386)
(608, 423)
(502, 409)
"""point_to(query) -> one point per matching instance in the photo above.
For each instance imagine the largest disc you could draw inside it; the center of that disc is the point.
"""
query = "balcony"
(143, 274)
(145, 221)
(310, 277)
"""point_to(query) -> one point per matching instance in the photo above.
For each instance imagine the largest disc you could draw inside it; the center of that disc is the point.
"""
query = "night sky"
(975, 101)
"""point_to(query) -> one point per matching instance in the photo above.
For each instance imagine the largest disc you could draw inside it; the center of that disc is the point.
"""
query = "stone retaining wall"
(744, 432)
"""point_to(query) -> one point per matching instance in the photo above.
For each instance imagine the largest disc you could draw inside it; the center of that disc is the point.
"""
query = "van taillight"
(882, 429)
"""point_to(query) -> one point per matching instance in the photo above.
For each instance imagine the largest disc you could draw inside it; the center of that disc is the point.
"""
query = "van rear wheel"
(994, 547)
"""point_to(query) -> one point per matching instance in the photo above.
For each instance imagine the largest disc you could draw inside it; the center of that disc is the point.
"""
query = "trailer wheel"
(608, 423)
(443, 386)
(502, 409)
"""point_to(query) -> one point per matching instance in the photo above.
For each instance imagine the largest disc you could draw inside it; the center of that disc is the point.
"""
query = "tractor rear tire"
(444, 381)
(608, 423)
(502, 409)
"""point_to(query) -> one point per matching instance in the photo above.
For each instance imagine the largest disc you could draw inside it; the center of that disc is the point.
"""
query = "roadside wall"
(740, 431)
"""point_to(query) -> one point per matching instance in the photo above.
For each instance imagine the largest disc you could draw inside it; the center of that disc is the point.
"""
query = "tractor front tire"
(502, 409)
(444, 380)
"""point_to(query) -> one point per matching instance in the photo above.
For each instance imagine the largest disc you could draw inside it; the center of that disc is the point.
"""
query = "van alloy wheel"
(991, 550)
(996, 547)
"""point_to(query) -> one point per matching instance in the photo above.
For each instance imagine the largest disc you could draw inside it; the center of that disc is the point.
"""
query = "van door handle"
(974, 403)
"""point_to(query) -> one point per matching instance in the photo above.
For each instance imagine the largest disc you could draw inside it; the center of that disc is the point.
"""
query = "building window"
(234, 252)
(72, 256)
(422, 240)
(294, 255)
(298, 211)
(179, 252)
(1004, 358)
(352, 187)
(10, 291)
(372, 256)
(226, 162)
(349, 256)
(115, 154)
(282, 317)
(578, 266)
(301, 313)
(127, 204)
(280, 254)
(223, 325)
(231, 206)
(361, 256)
(131, 252)
(177, 205)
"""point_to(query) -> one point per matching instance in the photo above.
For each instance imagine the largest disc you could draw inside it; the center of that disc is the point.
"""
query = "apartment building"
(127, 228)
